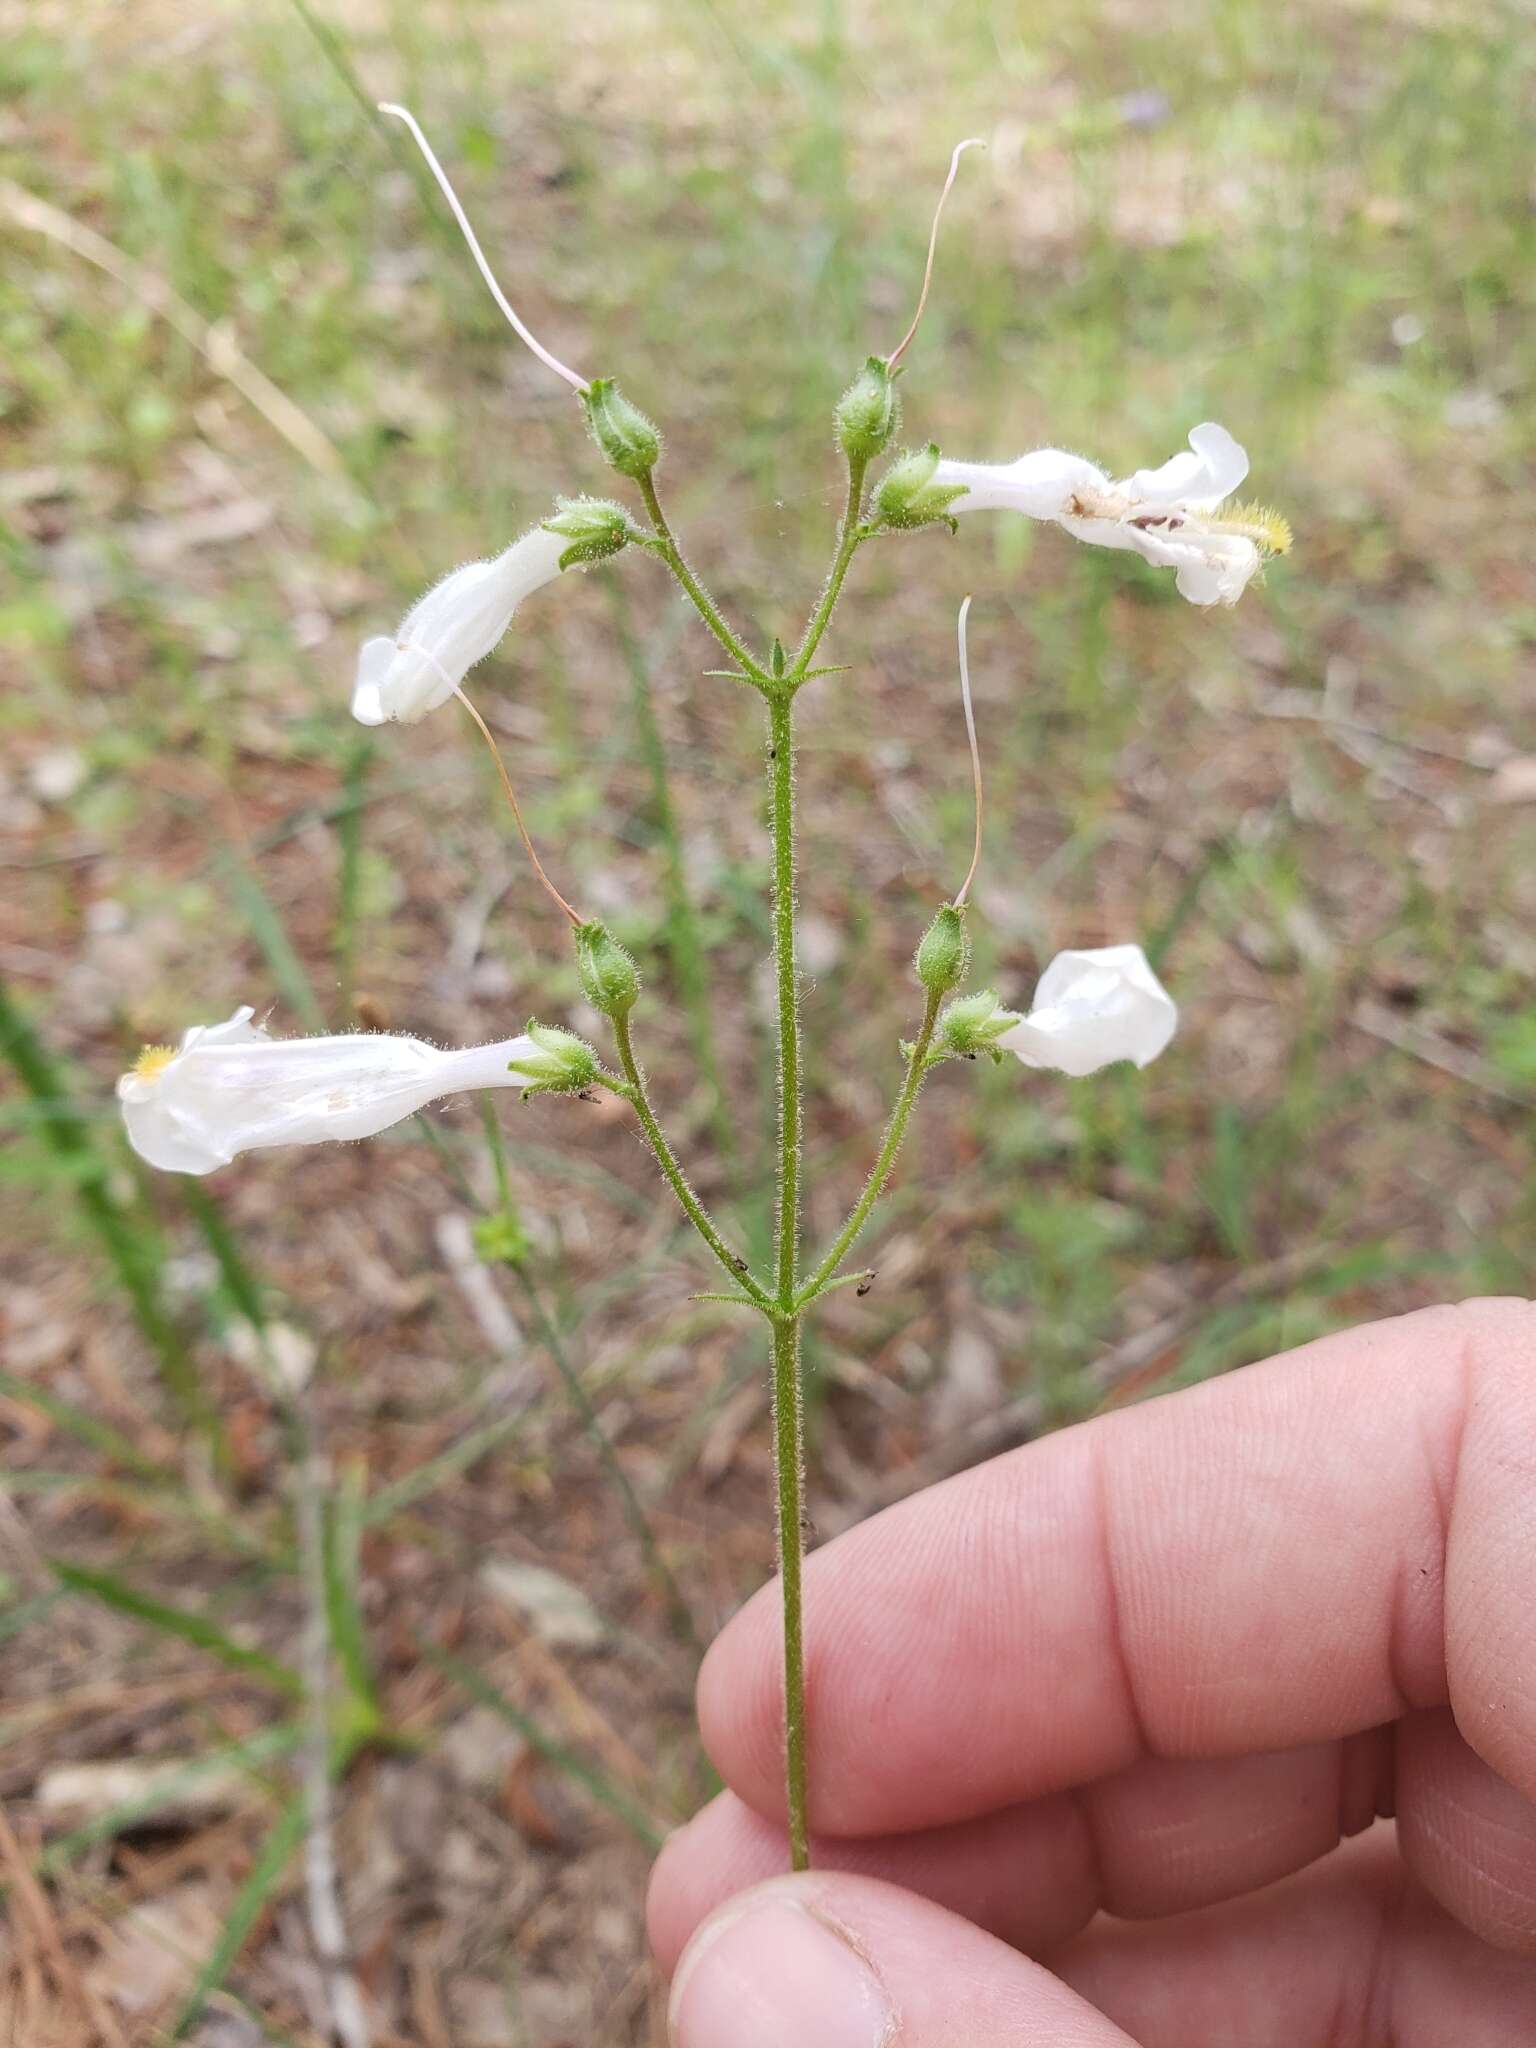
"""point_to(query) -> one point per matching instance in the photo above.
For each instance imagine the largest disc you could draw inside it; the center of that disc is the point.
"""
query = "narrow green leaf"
(175, 1621)
(266, 1875)
(411, 1487)
(343, 1544)
(89, 1429)
(16, 1620)
(349, 879)
(240, 1283)
(262, 1748)
(587, 1775)
(129, 1238)
(266, 928)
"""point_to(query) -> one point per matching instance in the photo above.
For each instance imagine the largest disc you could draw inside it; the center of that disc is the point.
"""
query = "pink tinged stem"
(970, 733)
(523, 333)
(971, 142)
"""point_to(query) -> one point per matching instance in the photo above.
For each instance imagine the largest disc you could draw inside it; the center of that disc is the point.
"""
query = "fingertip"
(771, 1965)
(851, 1962)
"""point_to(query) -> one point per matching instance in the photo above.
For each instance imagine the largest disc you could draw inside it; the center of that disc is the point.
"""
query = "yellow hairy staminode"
(153, 1060)
(1266, 528)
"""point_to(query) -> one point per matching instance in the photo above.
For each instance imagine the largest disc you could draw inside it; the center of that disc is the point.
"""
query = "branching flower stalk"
(230, 1088)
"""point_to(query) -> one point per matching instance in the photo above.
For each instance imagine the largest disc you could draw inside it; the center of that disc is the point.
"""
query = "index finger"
(1299, 1552)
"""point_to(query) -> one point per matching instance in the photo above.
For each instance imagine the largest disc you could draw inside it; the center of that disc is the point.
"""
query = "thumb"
(848, 1962)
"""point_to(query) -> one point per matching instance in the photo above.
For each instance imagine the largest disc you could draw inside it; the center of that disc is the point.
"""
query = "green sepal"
(563, 1064)
(973, 1024)
(906, 497)
(944, 955)
(630, 443)
(595, 527)
(869, 412)
(610, 980)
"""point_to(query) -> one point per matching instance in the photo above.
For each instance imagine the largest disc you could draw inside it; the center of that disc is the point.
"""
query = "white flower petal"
(447, 631)
(1198, 478)
(1038, 484)
(1220, 571)
(231, 1089)
(373, 665)
(1213, 568)
(1092, 1008)
(1111, 533)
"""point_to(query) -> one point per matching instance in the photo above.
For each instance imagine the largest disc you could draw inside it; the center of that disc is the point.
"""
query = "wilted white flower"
(1093, 1008)
(1176, 516)
(446, 632)
(229, 1088)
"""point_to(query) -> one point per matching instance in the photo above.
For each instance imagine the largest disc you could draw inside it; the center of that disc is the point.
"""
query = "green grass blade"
(343, 1545)
(88, 1429)
(266, 928)
(175, 1621)
(130, 1240)
(17, 1620)
(349, 879)
(240, 1283)
(587, 1775)
(265, 1877)
(262, 1748)
(411, 1487)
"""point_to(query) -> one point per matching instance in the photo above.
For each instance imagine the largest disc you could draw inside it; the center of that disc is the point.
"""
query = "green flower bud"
(561, 1064)
(945, 953)
(907, 496)
(629, 442)
(610, 980)
(973, 1025)
(868, 412)
(595, 528)
(500, 1240)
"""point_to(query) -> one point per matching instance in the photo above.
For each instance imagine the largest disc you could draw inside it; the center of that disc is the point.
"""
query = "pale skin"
(1206, 1724)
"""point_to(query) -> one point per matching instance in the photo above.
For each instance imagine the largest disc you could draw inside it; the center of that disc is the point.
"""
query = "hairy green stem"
(788, 1407)
(666, 1159)
(781, 760)
(703, 603)
(849, 536)
(789, 1484)
(895, 1131)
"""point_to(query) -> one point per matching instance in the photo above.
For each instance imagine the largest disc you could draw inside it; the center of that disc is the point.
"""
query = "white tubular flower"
(1176, 516)
(229, 1088)
(446, 632)
(1091, 1009)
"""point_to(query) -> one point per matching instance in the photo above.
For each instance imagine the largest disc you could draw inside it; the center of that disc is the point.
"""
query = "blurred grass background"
(1315, 224)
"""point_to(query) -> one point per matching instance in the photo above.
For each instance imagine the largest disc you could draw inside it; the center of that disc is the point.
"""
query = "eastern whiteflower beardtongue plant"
(230, 1088)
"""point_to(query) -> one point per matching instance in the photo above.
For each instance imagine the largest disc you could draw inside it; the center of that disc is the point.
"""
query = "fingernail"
(771, 1972)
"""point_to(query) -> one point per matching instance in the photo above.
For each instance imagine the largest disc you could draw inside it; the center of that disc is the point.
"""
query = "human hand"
(1157, 1667)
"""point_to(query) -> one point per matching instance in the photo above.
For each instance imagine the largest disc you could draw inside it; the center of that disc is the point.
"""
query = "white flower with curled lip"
(229, 1088)
(1176, 516)
(446, 632)
(1092, 1008)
